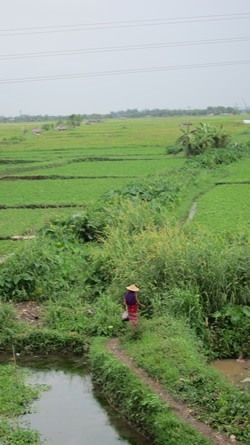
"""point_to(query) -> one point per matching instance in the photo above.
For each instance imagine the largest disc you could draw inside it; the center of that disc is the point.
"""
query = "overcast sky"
(182, 33)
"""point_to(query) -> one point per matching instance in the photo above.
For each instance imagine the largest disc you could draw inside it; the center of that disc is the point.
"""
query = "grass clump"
(15, 399)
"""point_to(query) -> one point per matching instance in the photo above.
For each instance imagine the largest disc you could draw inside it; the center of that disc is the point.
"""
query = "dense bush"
(42, 271)
(162, 189)
(202, 138)
(86, 226)
(214, 158)
(230, 331)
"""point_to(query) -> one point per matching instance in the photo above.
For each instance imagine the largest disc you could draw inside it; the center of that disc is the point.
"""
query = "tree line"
(129, 113)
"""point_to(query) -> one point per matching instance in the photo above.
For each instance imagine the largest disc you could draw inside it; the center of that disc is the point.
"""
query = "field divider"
(232, 182)
(41, 206)
(53, 177)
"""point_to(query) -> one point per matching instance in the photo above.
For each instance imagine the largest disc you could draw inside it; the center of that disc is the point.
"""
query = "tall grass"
(159, 260)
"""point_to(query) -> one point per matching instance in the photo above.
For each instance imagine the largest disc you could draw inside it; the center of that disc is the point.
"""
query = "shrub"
(41, 271)
(200, 139)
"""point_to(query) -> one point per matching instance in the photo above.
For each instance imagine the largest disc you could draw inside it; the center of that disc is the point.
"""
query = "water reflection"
(73, 412)
(237, 372)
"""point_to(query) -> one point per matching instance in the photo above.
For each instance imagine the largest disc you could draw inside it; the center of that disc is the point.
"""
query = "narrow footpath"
(180, 409)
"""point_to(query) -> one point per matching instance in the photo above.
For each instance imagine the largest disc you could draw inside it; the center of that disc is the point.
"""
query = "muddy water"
(73, 411)
(235, 371)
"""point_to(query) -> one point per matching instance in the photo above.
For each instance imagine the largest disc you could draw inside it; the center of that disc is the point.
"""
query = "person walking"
(131, 303)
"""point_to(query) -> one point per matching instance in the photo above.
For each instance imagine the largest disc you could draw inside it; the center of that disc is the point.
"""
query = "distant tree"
(74, 120)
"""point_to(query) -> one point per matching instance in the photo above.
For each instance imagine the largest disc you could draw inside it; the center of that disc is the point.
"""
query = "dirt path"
(180, 409)
(192, 212)
(28, 311)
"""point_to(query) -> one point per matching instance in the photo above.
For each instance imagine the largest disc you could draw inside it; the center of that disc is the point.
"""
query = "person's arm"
(125, 304)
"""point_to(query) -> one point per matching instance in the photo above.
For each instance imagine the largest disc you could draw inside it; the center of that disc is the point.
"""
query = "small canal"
(73, 411)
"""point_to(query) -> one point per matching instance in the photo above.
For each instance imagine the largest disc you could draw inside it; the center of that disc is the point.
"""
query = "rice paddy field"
(225, 208)
(58, 173)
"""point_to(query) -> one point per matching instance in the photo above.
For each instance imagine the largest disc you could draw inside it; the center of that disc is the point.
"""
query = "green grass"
(225, 208)
(23, 168)
(70, 191)
(136, 167)
(239, 171)
(27, 221)
(148, 132)
(8, 248)
(15, 398)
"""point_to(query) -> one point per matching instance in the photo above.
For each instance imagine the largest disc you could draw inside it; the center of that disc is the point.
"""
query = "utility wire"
(72, 52)
(121, 72)
(121, 24)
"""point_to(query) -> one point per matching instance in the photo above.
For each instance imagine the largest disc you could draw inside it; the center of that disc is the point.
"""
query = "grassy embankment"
(15, 398)
(78, 268)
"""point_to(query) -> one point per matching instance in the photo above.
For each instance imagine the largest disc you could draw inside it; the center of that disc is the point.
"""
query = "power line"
(122, 24)
(73, 52)
(121, 72)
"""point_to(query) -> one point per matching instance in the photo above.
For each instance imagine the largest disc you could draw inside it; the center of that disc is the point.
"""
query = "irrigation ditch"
(71, 408)
(73, 378)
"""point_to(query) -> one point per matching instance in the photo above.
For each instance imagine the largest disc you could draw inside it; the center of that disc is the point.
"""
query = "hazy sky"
(181, 33)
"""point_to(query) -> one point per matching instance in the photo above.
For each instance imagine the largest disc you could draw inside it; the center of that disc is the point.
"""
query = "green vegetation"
(15, 399)
(77, 192)
(193, 273)
(238, 172)
(137, 403)
(202, 138)
(169, 352)
(118, 167)
(225, 208)
(110, 148)
(29, 221)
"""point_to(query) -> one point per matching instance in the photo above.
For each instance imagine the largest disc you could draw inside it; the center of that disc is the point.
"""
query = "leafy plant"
(203, 137)
(230, 331)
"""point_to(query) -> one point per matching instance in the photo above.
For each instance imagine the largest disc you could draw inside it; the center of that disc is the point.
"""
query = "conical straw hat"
(133, 288)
